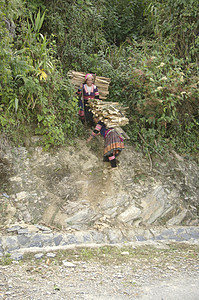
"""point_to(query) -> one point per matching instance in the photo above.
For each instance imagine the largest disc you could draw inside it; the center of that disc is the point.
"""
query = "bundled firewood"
(102, 83)
(111, 113)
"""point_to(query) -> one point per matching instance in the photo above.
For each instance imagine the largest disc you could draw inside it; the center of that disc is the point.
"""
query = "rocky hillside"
(72, 188)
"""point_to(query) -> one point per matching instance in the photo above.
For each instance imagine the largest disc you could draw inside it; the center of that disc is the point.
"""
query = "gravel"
(145, 273)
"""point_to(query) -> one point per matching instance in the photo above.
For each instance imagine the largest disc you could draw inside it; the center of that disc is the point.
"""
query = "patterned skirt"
(113, 144)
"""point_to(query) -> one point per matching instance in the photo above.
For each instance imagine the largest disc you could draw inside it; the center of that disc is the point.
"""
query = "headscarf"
(89, 75)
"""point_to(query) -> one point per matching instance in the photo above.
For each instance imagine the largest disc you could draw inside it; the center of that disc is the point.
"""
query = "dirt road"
(159, 273)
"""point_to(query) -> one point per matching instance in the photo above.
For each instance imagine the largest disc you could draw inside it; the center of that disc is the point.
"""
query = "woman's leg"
(112, 161)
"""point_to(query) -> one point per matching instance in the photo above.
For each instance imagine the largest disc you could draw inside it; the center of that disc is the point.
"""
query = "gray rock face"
(153, 205)
(58, 239)
(115, 236)
(39, 241)
(178, 219)
(74, 189)
(83, 216)
(129, 215)
(11, 243)
(1, 249)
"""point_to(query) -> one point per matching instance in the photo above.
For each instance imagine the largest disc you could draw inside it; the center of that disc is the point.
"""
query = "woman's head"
(89, 79)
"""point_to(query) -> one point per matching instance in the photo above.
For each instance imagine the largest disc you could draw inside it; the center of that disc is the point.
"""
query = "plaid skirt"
(113, 143)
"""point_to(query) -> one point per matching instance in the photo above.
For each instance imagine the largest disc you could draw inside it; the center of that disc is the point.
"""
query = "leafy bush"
(123, 20)
(175, 23)
(34, 91)
(162, 93)
(77, 27)
(147, 48)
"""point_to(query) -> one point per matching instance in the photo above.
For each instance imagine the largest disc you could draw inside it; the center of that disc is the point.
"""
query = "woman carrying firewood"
(88, 91)
(113, 143)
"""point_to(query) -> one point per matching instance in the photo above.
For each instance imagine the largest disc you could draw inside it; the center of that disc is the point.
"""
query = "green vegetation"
(113, 255)
(149, 49)
(174, 253)
(6, 260)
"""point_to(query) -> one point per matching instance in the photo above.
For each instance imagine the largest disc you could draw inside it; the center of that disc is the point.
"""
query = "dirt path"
(169, 272)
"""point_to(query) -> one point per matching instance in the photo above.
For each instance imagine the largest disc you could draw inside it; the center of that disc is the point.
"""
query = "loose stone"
(51, 255)
(125, 253)
(39, 255)
(68, 264)
(16, 256)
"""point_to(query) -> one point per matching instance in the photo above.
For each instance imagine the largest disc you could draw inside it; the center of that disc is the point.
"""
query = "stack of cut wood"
(111, 113)
(102, 83)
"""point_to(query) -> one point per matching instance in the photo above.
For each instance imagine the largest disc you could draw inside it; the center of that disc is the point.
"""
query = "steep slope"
(74, 188)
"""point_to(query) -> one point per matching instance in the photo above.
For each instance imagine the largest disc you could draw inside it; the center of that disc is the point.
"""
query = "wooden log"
(122, 133)
(102, 83)
(107, 113)
(79, 79)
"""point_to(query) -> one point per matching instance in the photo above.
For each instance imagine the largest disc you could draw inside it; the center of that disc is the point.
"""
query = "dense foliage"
(149, 49)
(36, 97)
